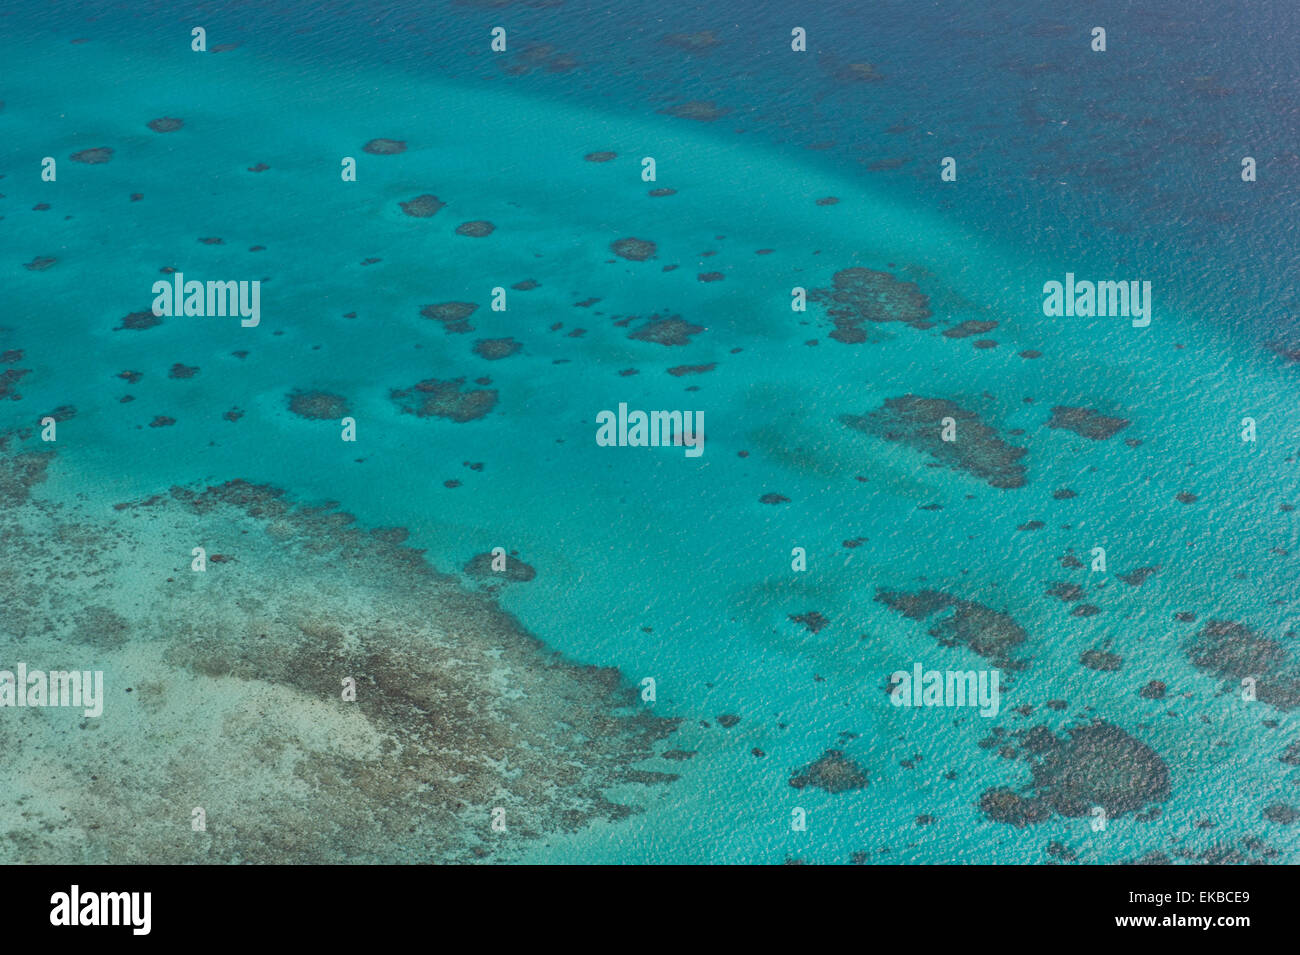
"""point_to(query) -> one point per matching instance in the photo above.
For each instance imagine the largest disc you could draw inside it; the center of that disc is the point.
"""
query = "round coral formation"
(635, 250)
(318, 405)
(476, 229)
(422, 207)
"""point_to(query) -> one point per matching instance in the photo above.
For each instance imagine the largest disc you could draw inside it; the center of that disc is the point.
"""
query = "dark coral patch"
(494, 349)
(833, 771)
(694, 42)
(183, 371)
(1232, 651)
(1282, 814)
(773, 498)
(444, 399)
(1086, 422)
(1136, 578)
(1065, 592)
(422, 207)
(527, 285)
(600, 156)
(40, 263)
(11, 356)
(859, 73)
(969, 328)
(635, 250)
(10, 377)
(672, 330)
(318, 405)
(138, 321)
(385, 147)
(166, 124)
(93, 157)
(704, 111)
(681, 370)
(1154, 690)
(916, 422)
(1101, 660)
(992, 634)
(542, 56)
(162, 421)
(515, 569)
(860, 295)
(711, 276)
(478, 228)
(660, 193)
(1010, 808)
(1098, 765)
(814, 621)
(453, 315)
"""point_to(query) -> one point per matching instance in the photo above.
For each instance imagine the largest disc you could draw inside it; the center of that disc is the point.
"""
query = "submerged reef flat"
(917, 423)
(224, 693)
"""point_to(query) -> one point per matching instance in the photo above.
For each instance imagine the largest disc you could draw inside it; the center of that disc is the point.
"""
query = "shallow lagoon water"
(646, 560)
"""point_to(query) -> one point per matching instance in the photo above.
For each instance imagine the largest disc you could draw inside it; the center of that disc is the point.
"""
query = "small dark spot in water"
(93, 157)
(384, 147)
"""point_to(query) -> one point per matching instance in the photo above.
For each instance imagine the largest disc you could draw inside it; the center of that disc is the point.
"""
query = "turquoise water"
(649, 561)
